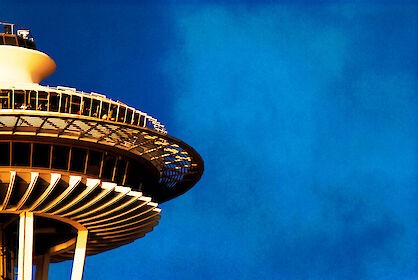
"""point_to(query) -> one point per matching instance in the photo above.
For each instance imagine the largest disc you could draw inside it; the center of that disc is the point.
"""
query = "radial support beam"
(25, 246)
(79, 255)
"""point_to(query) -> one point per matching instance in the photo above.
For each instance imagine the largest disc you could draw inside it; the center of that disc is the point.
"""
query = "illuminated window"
(5, 99)
(65, 103)
(32, 100)
(121, 115)
(86, 106)
(42, 101)
(76, 104)
(105, 111)
(95, 107)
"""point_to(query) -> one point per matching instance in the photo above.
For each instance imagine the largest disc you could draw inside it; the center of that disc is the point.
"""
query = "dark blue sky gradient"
(305, 115)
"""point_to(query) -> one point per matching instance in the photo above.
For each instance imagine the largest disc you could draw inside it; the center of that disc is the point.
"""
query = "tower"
(79, 173)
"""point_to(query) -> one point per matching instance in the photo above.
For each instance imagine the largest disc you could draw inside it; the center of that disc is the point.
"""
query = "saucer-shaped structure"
(80, 173)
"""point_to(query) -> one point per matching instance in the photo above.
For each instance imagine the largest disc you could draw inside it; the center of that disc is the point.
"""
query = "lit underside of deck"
(113, 215)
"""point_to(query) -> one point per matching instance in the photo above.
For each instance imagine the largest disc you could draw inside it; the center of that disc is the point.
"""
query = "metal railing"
(70, 101)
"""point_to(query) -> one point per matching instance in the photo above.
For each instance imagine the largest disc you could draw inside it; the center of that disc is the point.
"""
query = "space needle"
(80, 173)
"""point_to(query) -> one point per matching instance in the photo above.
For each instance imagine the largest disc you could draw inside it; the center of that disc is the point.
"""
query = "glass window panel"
(129, 116)
(21, 154)
(78, 159)
(76, 104)
(41, 155)
(65, 103)
(42, 100)
(108, 166)
(60, 157)
(136, 118)
(120, 170)
(32, 100)
(86, 105)
(5, 96)
(105, 110)
(113, 112)
(133, 176)
(19, 98)
(142, 121)
(95, 108)
(93, 165)
(121, 115)
(54, 101)
(4, 153)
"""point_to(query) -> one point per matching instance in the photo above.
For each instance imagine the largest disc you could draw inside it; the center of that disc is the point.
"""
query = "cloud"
(307, 125)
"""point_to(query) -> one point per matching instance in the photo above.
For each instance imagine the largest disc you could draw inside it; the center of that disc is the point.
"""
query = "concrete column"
(25, 246)
(42, 267)
(79, 255)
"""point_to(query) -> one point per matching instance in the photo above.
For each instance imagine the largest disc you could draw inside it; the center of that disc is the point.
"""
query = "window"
(53, 102)
(105, 111)
(108, 166)
(41, 155)
(133, 176)
(32, 100)
(142, 121)
(113, 112)
(65, 103)
(5, 154)
(129, 114)
(19, 99)
(76, 104)
(136, 118)
(95, 108)
(120, 170)
(42, 101)
(94, 161)
(121, 115)
(60, 157)
(78, 159)
(85, 106)
(5, 96)
(21, 154)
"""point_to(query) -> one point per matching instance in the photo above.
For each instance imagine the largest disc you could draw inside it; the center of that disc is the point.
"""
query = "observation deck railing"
(69, 101)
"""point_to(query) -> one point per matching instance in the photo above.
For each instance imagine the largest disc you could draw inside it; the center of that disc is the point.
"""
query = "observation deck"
(89, 169)
(123, 140)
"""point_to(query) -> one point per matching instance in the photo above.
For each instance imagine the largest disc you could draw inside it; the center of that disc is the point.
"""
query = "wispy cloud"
(306, 118)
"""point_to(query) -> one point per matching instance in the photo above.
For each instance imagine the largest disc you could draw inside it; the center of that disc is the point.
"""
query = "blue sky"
(305, 115)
